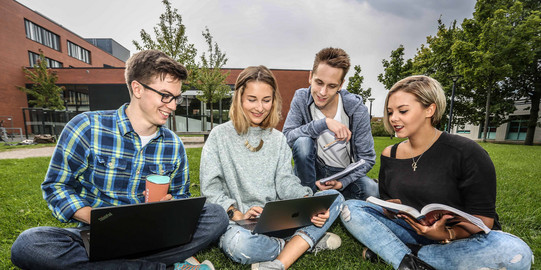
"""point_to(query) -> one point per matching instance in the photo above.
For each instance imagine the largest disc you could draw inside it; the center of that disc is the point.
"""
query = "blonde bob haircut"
(426, 90)
(255, 74)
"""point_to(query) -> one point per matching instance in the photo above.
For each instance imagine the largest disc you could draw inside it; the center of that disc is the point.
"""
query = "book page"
(395, 207)
(343, 173)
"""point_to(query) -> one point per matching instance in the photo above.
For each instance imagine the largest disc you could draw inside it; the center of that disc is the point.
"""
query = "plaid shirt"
(99, 161)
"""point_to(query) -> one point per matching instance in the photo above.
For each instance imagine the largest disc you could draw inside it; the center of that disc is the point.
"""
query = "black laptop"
(129, 230)
(280, 218)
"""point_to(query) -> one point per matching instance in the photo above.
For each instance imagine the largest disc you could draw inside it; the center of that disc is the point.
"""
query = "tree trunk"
(534, 115)
(211, 117)
(487, 115)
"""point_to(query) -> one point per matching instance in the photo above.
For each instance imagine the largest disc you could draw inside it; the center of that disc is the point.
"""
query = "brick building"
(93, 76)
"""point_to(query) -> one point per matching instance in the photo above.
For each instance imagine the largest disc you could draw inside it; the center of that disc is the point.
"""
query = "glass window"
(518, 128)
(34, 57)
(41, 35)
(78, 52)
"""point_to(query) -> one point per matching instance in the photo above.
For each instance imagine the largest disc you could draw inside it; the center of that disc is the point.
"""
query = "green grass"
(518, 205)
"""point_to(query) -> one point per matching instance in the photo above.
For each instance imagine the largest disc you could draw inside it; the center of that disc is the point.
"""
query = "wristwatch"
(231, 212)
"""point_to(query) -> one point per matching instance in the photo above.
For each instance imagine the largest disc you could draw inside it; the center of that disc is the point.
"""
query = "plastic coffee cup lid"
(158, 179)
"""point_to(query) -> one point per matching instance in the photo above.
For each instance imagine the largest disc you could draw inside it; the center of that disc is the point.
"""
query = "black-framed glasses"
(166, 98)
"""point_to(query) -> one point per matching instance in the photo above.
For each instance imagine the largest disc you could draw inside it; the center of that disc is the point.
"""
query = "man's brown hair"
(145, 65)
(334, 57)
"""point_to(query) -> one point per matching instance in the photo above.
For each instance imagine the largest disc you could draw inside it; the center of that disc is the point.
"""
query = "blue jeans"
(388, 238)
(309, 168)
(62, 248)
(241, 246)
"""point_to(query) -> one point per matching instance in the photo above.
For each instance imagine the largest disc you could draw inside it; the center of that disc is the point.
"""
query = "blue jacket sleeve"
(297, 124)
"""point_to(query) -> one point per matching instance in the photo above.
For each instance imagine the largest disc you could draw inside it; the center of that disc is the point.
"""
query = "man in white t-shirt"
(328, 129)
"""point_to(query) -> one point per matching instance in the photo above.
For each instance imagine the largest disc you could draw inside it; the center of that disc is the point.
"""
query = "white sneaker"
(329, 241)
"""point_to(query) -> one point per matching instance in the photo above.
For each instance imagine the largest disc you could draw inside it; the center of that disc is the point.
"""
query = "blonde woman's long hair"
(241, 121)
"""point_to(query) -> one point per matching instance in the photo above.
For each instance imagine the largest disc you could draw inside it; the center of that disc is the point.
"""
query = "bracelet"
(452, 235)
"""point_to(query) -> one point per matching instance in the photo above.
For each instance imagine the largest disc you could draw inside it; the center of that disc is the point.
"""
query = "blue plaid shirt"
(99, 161)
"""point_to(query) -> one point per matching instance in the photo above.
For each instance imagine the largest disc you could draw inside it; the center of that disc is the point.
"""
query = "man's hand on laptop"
(83, 214)
(332, 184)
(319, 219)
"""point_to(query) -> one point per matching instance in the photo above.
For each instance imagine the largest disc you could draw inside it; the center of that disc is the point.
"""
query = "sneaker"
(193, 264)
(270, 265)
(329, 241)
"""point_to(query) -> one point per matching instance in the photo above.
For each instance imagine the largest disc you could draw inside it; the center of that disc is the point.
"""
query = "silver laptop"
(130, 230)
(283, 217)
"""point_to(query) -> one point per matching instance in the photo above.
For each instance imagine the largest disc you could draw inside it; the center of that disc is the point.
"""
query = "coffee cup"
(156, 187)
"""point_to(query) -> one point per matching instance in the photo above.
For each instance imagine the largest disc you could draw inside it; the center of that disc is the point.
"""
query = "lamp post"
(454, 78)
(371, 99)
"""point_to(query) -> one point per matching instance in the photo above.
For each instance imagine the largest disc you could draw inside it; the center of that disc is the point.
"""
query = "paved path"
(189, 142)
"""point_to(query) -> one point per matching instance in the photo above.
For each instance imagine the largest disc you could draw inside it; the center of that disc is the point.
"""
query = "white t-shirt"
(336, 155)
(146, 139)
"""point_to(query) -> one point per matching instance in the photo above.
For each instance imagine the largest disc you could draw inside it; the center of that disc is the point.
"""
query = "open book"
(343, 173)
(430, 213)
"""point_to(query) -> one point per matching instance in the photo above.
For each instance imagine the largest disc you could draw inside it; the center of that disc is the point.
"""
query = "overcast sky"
(281, 34)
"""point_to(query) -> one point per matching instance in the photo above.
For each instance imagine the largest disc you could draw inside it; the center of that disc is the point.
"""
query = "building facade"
(514, 131)
(24, 33)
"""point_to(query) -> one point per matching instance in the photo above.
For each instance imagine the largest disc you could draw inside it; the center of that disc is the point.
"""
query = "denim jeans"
(242, 246)
(62, 248)
(388, 238)
(309, 168)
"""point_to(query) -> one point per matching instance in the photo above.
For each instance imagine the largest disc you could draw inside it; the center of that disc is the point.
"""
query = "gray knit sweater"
(230, 174)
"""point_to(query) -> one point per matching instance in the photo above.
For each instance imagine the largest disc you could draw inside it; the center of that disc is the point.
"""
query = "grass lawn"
(518, 205)
(7, 147)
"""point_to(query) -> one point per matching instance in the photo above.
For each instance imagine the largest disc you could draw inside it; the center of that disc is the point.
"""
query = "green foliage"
(395, 69)
(170, 38)
(378, 130)
(23, 207)
(355, 85)
(209, 78)
(44, 91)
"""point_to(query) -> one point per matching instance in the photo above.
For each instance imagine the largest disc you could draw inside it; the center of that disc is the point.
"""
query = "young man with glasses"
(329, 129)
(102, 159)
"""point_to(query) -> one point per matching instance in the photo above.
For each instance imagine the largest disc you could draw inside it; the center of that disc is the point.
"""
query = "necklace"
(414, 162)
(254, 149)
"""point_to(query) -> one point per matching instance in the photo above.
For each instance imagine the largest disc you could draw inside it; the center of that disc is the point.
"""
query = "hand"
(331, 184)
(435, 232)
(253, 212)
(167, 197)
(319, 219)
(389, 214)
(341, 132)
(83, 214)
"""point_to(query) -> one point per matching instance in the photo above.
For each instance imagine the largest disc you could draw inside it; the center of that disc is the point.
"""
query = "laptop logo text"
(106, 216)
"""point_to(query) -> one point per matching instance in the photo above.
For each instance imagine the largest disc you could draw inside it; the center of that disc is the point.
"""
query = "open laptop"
(279, 217)
(128, 230)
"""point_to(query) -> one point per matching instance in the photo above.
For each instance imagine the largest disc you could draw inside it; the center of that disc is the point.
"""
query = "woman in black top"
(432, 167)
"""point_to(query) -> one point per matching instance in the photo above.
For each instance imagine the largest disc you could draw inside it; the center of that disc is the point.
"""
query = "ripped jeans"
(241, 246)
(388, 238)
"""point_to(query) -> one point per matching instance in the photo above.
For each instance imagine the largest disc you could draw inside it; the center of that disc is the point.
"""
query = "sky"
(280, 34)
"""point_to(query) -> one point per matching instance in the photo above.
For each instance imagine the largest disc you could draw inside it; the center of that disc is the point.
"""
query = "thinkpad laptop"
(128, 230)
(281, 216)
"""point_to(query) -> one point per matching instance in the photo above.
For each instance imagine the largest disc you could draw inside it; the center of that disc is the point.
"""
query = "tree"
(354, 85)
(485, 57)
(45, 92)
(170, 38)
(395, 69)
(209, 78)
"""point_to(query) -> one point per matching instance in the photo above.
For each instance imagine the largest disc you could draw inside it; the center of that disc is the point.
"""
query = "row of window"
(52, 40)
(34, 57)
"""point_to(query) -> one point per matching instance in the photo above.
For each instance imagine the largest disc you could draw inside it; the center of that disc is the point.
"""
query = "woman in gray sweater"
(245, 163)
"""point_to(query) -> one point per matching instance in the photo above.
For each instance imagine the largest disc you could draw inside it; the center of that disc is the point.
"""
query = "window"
(34, 57)
(41, 35)
(518, 127)
(78, 52)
